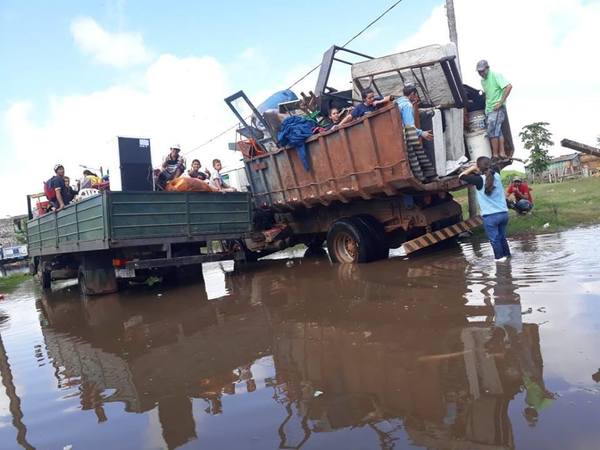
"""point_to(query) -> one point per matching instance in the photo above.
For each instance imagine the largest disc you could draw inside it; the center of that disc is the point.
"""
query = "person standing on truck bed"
(56, 189)
(173, 165)
(420, 164)
(492, 203)
(369, 103)
(496, 89)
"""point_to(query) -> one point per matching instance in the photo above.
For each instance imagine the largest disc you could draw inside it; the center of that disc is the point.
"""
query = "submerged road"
(445, 350)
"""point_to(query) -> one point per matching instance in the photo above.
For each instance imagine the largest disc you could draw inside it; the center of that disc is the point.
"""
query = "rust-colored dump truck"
(359, 192)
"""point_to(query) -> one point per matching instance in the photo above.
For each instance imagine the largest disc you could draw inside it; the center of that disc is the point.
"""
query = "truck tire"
(97, 274)
(33, 265)
(314, 246)
(349, 241)
(187, 274)
(377, 234)
(45, 275)
(316, 241)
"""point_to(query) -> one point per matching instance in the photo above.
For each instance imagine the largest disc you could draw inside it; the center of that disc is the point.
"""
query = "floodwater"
(447, 350)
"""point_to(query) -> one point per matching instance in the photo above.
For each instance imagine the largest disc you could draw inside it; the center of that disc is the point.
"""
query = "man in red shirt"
(519, 196)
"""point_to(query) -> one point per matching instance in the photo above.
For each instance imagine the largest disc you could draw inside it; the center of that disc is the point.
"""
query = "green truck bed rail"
(123, 219)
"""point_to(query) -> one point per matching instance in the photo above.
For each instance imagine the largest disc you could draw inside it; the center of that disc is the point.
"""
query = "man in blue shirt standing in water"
(492, 203)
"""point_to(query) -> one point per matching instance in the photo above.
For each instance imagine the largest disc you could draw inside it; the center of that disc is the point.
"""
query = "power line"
(369, 25)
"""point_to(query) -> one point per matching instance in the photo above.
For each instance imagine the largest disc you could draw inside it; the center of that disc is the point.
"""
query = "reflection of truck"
(131, 235)
(360, 193)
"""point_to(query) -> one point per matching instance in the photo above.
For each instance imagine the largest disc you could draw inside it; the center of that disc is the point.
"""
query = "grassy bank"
(561, 205)
(11, 282)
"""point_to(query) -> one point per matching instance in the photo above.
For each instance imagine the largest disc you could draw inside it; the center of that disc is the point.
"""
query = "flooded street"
(446, 350)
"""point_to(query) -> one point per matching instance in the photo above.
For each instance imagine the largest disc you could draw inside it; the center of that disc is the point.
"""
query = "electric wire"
(369, 25)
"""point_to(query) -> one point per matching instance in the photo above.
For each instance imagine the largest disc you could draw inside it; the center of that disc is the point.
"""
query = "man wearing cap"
(57, 184)
(496, 89)
(420, 163)
(173, 165)
(519, 196)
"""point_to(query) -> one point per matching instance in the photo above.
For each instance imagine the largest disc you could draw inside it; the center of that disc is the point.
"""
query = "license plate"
(125, 273)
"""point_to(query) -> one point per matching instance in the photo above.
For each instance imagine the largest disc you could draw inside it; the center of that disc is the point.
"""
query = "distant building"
(567, 166)
(10, 229)
(590, 163)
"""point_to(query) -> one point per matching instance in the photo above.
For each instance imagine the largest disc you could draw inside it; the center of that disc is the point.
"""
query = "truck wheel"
(377, 234)
(188, 274)
(45, 276)
(33, 265)
(97, 274)
(348, 241)
(314, 247)
(315, 241)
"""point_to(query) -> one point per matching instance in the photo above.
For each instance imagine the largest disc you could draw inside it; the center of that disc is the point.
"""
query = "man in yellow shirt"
(496, 89)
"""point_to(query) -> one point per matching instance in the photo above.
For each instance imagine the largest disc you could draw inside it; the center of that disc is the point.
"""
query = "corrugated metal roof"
(564, 158)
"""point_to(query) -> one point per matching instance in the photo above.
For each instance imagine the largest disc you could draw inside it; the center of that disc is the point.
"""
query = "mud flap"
(434, 237)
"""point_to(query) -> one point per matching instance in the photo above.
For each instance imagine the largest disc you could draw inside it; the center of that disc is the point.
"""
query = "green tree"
(537, 139)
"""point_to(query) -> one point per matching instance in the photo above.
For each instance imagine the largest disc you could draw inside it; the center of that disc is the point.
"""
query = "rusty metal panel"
(364, 159)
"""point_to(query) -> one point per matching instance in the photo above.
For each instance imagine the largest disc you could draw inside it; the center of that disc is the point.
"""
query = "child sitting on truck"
(194, 172)
(218, 182)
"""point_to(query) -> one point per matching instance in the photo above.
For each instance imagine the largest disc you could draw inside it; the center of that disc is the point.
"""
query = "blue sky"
(35, 37)
(260, 46)
(77, 74)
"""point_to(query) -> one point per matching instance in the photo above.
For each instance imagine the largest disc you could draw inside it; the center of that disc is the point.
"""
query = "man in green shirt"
(496, 89)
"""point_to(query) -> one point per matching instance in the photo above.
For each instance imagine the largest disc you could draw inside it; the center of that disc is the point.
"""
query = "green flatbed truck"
(128, 236)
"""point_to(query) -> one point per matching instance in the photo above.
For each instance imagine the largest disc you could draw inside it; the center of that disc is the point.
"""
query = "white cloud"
(250, 54)
(542, 47)
(121, 49)
(175, 100)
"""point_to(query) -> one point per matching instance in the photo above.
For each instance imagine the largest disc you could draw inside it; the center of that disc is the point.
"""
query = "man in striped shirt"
(173, 165)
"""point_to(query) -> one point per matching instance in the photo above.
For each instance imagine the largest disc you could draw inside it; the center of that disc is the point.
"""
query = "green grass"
(561, 205)
(11, 282)
(508, 175)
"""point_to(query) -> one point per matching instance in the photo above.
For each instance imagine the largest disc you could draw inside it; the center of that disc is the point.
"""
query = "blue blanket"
(294, 131)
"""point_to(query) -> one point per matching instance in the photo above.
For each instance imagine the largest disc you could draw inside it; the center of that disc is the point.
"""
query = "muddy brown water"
(446, 350)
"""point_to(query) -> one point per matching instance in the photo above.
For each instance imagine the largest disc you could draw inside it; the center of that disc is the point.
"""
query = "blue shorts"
(494, 121)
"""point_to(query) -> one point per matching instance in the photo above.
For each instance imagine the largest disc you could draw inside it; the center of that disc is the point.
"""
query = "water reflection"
(436, 353)
(354, 348)
(14, 405)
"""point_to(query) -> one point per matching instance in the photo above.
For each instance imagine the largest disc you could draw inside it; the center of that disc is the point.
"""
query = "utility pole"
(454, 38)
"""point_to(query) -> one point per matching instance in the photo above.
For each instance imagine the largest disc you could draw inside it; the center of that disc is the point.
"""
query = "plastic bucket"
(478, 145)
(476, 121)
